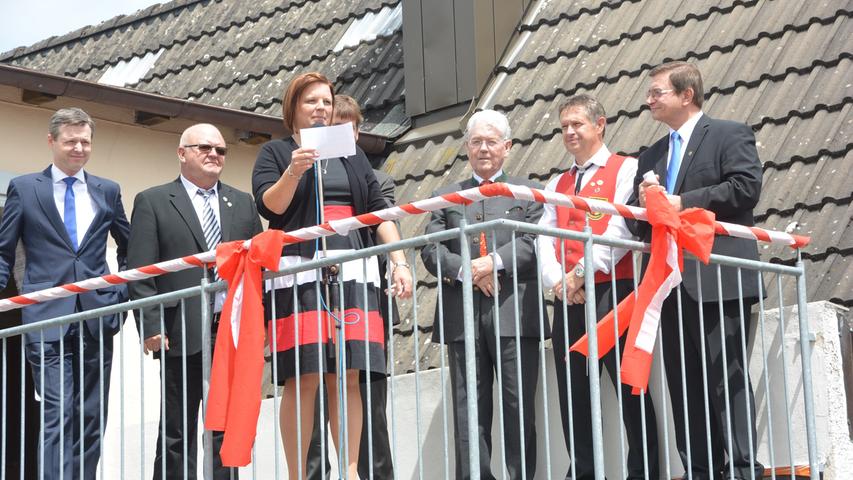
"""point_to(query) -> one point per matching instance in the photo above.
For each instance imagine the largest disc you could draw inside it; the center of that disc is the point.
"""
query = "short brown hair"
(294, 91)
(346, 108)
(593, 109)
(683, 75)
(69, 116)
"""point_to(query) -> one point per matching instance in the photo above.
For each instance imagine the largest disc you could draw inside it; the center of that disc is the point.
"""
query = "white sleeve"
(552, 270)
(602, 254)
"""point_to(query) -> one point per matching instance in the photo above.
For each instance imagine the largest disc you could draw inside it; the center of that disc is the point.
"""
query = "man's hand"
(152, 344)
(401, 285)
(486, 285)
(482, 267)
(675, 201)
(575, 293)
(644, 186)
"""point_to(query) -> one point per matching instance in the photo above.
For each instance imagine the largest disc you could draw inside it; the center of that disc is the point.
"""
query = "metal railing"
(420, 406)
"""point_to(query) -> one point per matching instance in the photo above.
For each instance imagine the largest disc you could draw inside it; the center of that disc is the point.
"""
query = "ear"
(687, 96)
(508, 144)
(600, 124)
(50, 139)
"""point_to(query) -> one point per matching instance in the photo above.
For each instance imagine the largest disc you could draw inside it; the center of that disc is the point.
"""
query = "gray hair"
(69, 116)
(492, 118)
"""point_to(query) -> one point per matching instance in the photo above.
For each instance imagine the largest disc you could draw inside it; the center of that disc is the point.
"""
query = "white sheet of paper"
(330, 142)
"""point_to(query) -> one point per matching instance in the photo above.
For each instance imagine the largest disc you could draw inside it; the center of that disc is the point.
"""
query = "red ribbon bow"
(691, 229)
(234, 401)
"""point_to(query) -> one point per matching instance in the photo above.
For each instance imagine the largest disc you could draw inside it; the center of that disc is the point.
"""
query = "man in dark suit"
(712, 164)
(189, 215)
(487, 139)
(63, 216)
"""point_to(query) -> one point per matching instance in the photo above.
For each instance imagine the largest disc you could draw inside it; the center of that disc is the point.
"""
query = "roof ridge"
(109, 24)
(257, 76)
(635, 73)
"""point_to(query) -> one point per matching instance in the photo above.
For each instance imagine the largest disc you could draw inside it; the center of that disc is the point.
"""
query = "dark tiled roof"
(783, 67)
(239, 54)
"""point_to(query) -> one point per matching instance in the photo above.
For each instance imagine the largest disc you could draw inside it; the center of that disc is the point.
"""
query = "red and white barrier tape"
(345, 225)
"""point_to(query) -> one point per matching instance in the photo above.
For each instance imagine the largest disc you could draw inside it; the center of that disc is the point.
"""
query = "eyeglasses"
(658, 92)
(205, 148)
(491, 143)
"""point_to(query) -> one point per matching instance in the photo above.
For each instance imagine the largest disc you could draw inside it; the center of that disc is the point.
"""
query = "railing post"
(592, 359)
(470, 361)
(207, 439)
(805, 353)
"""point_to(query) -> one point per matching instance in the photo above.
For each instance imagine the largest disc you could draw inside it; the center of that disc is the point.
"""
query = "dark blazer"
(31, 215)
(164, 226)
(451, 261)
(720, 172)
(270, 165)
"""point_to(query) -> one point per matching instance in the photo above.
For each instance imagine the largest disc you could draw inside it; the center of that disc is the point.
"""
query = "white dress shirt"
(84, 207)
(198, 204)
(602, 255)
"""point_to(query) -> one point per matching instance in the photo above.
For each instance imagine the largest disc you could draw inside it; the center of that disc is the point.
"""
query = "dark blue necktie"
(70, 219)
(674, 162)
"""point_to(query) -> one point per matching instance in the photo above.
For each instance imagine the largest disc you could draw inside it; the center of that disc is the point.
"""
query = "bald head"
(202, 154)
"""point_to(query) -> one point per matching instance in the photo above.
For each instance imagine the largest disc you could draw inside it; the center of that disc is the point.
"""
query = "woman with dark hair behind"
(286, 192)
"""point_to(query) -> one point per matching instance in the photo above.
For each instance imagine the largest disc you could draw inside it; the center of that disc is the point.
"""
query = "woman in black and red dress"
(300, 326)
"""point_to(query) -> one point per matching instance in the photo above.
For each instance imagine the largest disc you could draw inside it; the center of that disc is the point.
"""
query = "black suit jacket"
(31, 215)
(164, 226)
(720, 172)
(451, 261)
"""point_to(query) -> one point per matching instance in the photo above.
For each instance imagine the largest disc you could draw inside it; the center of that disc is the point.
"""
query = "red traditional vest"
(602, 186)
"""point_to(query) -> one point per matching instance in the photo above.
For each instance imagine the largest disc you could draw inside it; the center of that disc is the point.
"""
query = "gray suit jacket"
(164, 226)
(720, 172)
(448, 253)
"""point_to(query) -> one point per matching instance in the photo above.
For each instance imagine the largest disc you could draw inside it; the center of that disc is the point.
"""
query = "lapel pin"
(689, 153)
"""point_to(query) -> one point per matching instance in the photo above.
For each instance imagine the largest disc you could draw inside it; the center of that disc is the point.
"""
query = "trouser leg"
(381, 446)
(456, 361)
(97, 355)
(54, 370)
(519, 393)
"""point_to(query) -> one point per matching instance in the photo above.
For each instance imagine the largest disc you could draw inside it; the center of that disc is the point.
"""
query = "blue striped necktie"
(70, 219)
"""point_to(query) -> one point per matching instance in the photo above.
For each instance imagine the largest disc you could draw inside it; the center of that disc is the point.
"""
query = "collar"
(599, 159)
(192, 188)
(494, 178)
(58, 175)
(686, 130)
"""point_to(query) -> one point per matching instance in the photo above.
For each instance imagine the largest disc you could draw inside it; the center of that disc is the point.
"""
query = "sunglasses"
(205, 149)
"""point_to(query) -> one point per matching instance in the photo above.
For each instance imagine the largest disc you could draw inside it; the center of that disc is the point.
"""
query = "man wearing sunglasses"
(186, 216)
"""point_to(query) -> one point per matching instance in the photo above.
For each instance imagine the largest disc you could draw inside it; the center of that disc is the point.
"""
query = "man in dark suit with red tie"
(712, 164)
(63, 217)
(189, 215)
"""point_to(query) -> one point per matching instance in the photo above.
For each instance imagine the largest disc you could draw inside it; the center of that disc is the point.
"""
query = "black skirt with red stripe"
(304, 338)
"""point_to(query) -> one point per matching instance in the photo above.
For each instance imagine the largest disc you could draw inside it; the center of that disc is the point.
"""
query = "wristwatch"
(579, 270)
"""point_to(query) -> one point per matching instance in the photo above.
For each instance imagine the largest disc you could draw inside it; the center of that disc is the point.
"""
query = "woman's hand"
(300, 161)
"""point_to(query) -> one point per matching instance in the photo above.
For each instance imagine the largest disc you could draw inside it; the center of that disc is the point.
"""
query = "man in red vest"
(595, 173)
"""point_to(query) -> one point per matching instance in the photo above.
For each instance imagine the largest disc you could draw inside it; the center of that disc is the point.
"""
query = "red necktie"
(484, 249)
